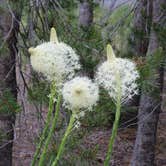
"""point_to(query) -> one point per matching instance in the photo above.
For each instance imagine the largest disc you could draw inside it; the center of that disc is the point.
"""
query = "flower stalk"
(48, 118)
(116, 122)
(51, 132)
(62, 145)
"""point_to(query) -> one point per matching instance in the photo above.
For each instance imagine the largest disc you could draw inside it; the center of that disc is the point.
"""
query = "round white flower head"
(118, 71)
(80, 93)
(56, 61)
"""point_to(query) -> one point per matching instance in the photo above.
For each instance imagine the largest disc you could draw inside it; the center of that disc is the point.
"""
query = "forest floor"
(123, 146)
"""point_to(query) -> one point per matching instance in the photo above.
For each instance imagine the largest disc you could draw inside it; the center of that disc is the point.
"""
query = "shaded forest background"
(136, 30)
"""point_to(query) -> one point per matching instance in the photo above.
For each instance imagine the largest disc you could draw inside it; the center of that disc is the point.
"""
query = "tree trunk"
(8, 34)
(161, 131)
(144, 150)
(85, 13)
(142, 25)
(141, 32)
(6, 139)
(28, 123)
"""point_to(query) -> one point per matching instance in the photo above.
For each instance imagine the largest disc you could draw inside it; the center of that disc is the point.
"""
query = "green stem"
(113, 136)
(116, 123)
(41, 161)
(61, 148)
(50, 110)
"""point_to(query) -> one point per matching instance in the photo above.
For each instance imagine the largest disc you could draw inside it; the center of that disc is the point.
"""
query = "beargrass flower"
(80, 93)
(55, 60)
(118, 76)
(125, 69)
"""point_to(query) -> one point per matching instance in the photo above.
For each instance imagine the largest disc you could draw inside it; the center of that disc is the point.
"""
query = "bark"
(85, 13)
(6, 138)
(29, 121)
(144, 150)
(161, 132)
(142, 24)
(8, 33)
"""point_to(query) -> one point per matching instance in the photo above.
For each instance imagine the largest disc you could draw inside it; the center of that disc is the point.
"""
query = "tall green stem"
(113, 136)
(116, 123)
(61, 148)
(50, 110)
(41, 161)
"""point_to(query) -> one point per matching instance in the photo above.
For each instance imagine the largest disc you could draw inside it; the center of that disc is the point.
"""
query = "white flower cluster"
(106, 77)
(80, 93)
(56, 61)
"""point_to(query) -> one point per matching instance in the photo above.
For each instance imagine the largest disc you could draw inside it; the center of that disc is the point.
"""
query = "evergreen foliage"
(8, 104)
